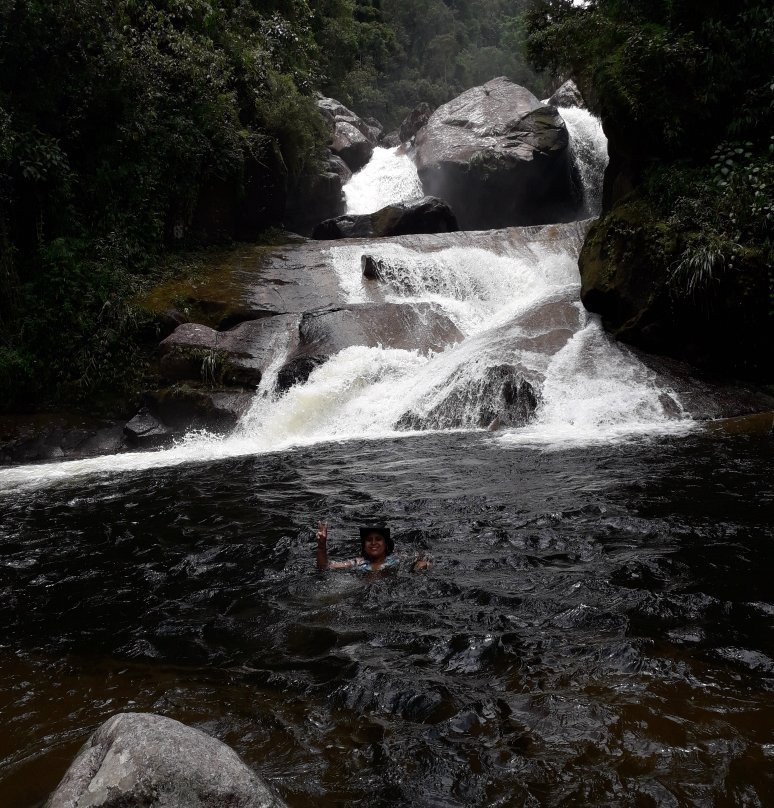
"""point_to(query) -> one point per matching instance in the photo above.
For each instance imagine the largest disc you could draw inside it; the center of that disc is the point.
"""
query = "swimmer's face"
(374, 546)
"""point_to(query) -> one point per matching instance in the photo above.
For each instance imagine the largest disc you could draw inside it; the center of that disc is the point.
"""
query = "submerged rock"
(426, 215)
(499, 157)
(141, 760)
(421, 327)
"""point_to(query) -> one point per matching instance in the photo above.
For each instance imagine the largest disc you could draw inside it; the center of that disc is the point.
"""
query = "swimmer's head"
(375, 541)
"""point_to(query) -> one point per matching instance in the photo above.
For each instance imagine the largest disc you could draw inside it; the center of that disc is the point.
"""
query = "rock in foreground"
(499, 157)
(141, 760)
(426, 215)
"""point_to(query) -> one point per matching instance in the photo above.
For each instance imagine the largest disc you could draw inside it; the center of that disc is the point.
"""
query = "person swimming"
(376, 547)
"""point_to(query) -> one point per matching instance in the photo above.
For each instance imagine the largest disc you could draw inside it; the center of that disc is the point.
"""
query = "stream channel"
(597, 628)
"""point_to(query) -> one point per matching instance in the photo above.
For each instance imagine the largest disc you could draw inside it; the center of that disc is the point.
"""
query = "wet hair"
(383, 531)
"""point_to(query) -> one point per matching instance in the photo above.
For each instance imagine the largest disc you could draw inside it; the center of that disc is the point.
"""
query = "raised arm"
(322, 545)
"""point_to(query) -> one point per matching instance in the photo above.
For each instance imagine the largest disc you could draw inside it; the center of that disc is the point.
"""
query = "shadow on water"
(597, 628)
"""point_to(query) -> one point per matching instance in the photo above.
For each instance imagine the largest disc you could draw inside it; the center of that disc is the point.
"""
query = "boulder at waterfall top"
(352, 139)
(499, 157)
(141, 760)
(419, 326)
(568, 95)
(426, 215)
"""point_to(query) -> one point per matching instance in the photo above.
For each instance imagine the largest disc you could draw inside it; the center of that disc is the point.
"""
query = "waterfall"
(589, 147)
(389, 176)
(527, 361)
(516, 303)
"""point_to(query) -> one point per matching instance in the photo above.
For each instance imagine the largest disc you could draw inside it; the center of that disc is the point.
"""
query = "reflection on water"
(597, 628)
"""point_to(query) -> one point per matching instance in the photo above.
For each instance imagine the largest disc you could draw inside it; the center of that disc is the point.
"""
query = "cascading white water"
(389, 176)
(589, 146)
(590, 388)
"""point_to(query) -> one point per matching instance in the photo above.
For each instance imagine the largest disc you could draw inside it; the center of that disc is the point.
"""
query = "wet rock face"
(191, 405)
(568, 95)
(500, 396)
(238, 356)
(426, 215)
(499, 157)
(44, 438)
(141, 760)
(419, 327)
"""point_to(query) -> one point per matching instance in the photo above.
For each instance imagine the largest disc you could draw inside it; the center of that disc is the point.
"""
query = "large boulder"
(141, 760)
(352, 138)
(426, 215)
(351, 145)
(568, 95)
(499, 157)
(238, 356)
(322, 334)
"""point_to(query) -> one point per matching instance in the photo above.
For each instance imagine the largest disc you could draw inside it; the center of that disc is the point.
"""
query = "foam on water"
(389, 176)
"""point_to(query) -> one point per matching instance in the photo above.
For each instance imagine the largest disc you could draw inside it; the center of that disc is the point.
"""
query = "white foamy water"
(389, 176)
(589, 145)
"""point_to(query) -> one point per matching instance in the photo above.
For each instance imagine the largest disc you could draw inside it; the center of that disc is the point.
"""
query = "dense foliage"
(686, 94)
(126, 124)
(402, 52)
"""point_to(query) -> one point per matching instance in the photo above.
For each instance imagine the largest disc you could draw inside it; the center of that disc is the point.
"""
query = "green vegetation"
(132, 128)
(686, 95)
(402, 52)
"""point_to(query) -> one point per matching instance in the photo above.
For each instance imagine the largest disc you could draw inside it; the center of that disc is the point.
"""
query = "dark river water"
(597, 628)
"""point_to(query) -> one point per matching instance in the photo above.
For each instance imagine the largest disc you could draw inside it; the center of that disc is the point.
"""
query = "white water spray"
(389, 176)
(589, 145)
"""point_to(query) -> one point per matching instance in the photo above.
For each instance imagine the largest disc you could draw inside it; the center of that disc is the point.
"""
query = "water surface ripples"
(597, 627)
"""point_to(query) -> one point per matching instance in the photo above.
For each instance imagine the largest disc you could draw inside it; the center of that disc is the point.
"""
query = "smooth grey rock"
(141, 760)
(373, 268)
(499, 157)
(426, 215)
(349, 143)
(322, 334)
(568, 95)
(352, 138)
